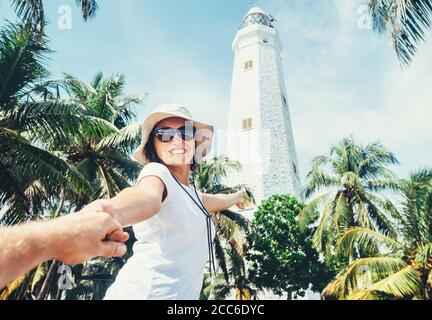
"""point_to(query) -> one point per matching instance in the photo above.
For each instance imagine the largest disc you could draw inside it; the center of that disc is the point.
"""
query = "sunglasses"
(167, 134)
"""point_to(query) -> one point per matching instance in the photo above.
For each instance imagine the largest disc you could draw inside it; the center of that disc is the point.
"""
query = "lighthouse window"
(248, 65)
(284, 100)
(247, 123)
(294, 168)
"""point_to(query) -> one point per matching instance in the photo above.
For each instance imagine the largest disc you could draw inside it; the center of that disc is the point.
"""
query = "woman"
(171, 220)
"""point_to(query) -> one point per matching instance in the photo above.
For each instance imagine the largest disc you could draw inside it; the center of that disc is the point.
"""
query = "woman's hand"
(240, 199)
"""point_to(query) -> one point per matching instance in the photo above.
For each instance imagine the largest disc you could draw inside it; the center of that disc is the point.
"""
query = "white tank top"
(171, 250)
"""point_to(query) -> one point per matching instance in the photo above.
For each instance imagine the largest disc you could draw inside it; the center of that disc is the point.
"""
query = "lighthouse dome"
(256, 15)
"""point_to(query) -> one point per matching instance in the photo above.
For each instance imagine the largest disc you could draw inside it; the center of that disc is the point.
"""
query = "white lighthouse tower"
(260, 135)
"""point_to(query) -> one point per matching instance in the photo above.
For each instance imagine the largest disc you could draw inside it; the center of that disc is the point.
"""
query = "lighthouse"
(260, 134)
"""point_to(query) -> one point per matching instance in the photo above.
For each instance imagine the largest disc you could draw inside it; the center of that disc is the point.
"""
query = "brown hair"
(151, 154)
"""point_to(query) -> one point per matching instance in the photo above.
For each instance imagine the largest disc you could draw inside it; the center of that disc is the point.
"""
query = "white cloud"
(342, 80)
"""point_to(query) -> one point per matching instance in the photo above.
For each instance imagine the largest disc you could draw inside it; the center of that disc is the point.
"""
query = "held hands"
(88, 233)
(97, 231)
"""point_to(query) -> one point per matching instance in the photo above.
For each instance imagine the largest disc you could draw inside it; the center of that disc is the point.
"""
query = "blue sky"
(341, 77)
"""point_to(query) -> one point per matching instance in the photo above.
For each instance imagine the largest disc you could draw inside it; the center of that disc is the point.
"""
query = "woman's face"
(177, 151)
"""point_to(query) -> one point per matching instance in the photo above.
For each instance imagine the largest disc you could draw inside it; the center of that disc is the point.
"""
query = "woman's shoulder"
(155, 169)
(156, 165)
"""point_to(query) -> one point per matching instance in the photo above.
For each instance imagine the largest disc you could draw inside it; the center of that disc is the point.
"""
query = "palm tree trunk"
(25, 284)
(424, 277)
(59, 293)
(55, 264)
(61, 204)
(351, 224)
(48, 280)
(289, 294)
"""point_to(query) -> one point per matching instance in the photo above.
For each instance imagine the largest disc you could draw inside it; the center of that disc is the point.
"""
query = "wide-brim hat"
(203, 136)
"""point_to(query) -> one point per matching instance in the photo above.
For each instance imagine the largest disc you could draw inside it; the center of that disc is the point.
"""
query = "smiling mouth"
(178, 151)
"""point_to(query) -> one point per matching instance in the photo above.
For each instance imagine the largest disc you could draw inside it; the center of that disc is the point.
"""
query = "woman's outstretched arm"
(220, 202)
(134, 204)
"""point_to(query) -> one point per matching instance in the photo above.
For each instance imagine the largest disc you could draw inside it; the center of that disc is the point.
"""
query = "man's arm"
(72, 239)
(220, 202)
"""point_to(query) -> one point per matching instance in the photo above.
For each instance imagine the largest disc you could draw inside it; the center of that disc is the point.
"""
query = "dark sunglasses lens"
(168, 134)
(188, 134)
(165, 135)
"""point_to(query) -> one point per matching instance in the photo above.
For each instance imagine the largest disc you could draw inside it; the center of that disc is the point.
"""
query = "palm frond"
(349, 279)
(221, 258)
(424, 255)
(239, 219)
(211, 171)
(318, 180)
(405, 21)
(383, 185)
(22, 59)
(342, 217)
(366, 239)
(77, 89)
(378, 210)
(402, 284)
(37, 164)
(124, 111)
(88, 8)
(232, 233)
(127, 138)
(324, 231)
(310, 212)
(12, 287)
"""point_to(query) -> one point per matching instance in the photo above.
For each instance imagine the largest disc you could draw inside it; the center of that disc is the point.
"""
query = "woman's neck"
(181, 173)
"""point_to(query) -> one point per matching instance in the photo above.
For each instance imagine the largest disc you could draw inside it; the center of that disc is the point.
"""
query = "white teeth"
(178, 151)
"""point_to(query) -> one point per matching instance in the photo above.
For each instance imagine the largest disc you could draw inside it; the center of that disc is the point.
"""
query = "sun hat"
(203, 136)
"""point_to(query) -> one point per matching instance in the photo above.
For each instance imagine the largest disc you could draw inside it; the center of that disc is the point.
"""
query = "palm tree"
(231, 232)
(345, 184)
(101, 157)
(93, 279)
(215, 287)
(231, 243)
(29, 119)
(33, 11)
(403, 267)
(405, 20)
(36, 131)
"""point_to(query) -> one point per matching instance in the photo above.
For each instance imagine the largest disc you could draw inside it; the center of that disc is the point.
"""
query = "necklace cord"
(208, 223)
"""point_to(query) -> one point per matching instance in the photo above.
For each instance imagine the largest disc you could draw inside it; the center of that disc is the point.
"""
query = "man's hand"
(72, 239)
(84, 235)
(103, 205)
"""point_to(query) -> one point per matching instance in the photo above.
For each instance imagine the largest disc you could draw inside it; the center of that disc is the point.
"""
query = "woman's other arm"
(220, 202)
